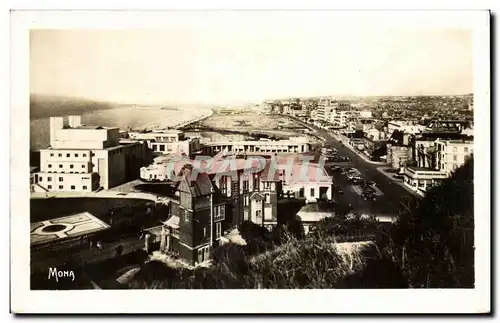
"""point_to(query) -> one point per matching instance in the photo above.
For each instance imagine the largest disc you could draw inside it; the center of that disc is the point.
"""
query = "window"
(49, 187)
(162, 147)
(51, 154)
(245, 201)
(61, 187)
(84, 155)
(175, 232)
(59, 155)
(223, 184)
(61, 179)
(72, 187)
(40, 178)
(466, 150)
(60, 166)
(268, 198)
(245, 185)
(71, 166)
(76, 155)
(83, 166)
(204, 232)
(258, 213)
(84, 187)
(50, 165)
(455, 149)
(67, 155)
(312, 192)
(49, 179)
(92, 154)
(454, 157)
(256, 183)
(218, 230)
(267, 185)
(202, 254)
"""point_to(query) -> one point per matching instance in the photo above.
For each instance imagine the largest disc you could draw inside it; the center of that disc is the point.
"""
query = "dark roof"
(199, 186)
(257, 196)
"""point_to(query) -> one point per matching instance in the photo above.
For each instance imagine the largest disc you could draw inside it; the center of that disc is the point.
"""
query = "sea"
(135, 117)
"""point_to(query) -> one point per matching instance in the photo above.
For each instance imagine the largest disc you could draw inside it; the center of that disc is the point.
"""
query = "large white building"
(445, 156)
(291, 145)
(85, 158)
(168, 141)
(340, 118)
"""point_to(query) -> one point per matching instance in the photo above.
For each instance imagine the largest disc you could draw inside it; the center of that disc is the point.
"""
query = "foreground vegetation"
(431, 246)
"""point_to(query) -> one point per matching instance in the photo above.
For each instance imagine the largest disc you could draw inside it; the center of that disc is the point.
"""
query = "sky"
(221, 60)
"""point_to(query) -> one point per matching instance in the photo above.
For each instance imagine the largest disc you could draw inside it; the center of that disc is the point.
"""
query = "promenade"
(102, 194)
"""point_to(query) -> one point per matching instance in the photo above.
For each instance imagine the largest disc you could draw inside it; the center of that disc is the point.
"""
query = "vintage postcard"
(270, 161)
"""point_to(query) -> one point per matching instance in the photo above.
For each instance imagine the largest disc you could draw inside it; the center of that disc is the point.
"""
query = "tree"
(434, 241)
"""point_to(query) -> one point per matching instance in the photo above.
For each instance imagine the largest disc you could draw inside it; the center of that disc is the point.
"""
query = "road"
(393, 194)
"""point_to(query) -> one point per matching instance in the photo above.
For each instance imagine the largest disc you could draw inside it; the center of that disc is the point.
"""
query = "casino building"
(84, 158)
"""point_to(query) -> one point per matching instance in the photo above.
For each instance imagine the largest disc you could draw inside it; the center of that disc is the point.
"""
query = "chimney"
(74, 121)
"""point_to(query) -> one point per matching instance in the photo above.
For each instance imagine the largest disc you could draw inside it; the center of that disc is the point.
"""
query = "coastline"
(150, 118)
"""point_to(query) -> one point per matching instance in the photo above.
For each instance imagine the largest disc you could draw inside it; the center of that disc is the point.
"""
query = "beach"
(135, 117)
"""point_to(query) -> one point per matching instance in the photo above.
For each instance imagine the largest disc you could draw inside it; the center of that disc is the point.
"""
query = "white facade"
(340, 118)
(452, 154)
(83, 158)
(410, 127)
(168, 141)
(291, 145)
(449, 155)
(324, 113)
(311, 182)
(365, 114)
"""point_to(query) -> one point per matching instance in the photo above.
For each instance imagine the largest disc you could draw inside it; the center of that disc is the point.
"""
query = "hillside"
(42, 106)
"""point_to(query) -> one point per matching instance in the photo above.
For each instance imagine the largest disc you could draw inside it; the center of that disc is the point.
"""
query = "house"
(399, 149)
(309, 181)
(212, 201)
(195, 222)
(374, 139)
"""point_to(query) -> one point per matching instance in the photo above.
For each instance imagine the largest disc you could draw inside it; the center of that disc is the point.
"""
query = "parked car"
(398, 176)
(369, 197)
(356, 180)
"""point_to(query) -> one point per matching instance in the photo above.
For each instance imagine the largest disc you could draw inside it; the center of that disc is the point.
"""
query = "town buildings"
(406, 126)
(439, 151)
(308, 181)
(399, 150)
(167, 141)
(291, 145)
(85, 158)
(365, 114)
(214, 200)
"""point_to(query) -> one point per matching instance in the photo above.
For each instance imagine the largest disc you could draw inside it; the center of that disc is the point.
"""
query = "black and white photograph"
(257, 152)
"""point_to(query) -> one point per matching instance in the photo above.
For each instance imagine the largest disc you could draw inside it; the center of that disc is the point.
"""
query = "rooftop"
(63, 228)
(90, 127)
